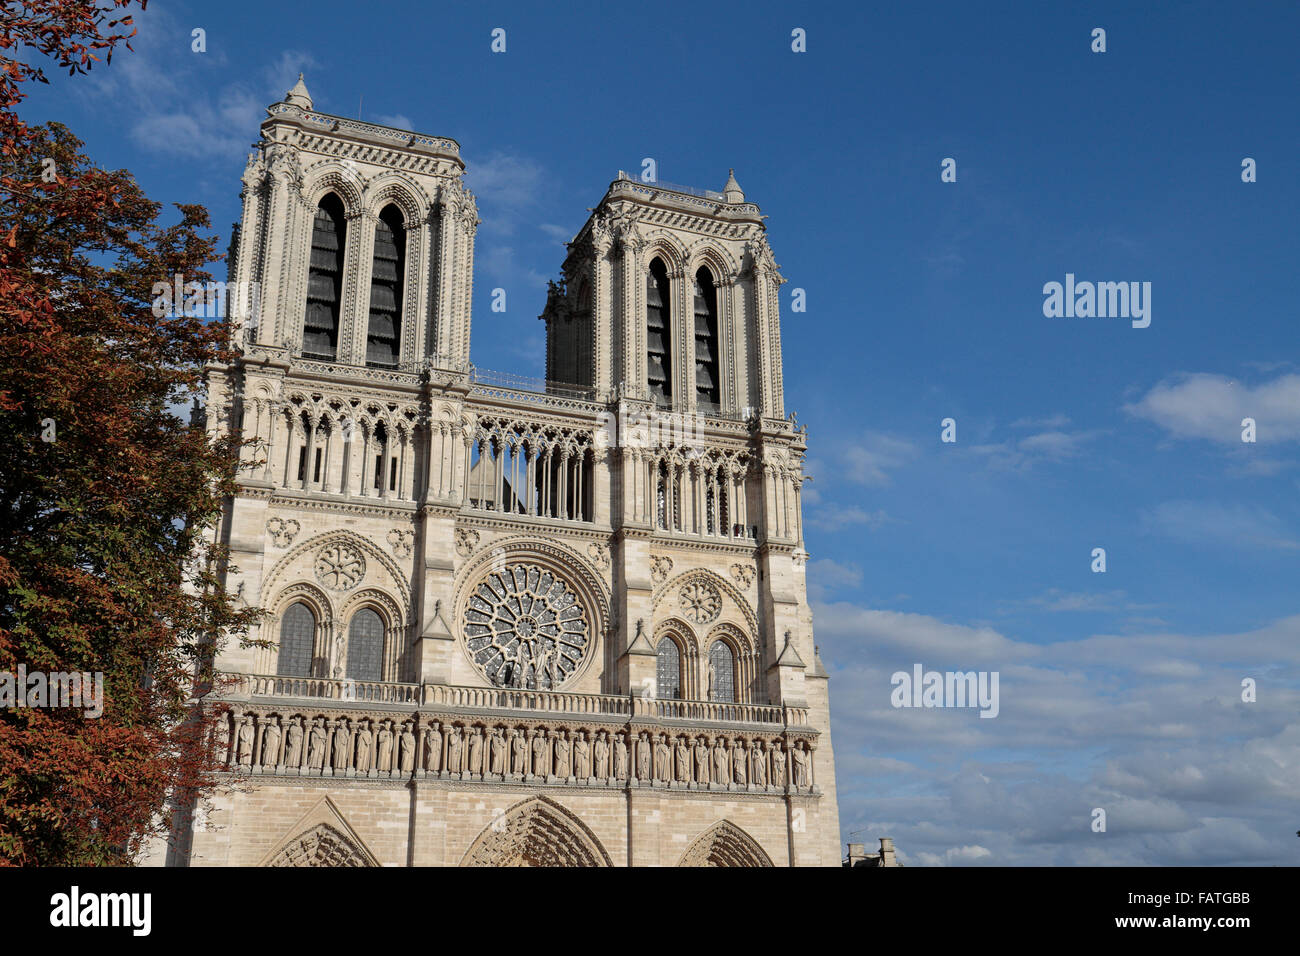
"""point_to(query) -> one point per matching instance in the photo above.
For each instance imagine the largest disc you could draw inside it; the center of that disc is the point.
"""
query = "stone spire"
(731, 192)
(298, 96)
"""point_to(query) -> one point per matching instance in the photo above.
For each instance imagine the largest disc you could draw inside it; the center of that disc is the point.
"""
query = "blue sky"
(1119, 690)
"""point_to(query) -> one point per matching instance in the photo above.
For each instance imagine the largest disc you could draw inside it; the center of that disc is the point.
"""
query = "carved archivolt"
(668, 595)
(725, 844)
(536, 832)
(321, 846)
(351, 542)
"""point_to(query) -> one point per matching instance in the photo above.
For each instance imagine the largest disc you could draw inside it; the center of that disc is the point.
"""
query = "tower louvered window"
(382, 335)
(707, 388)
(658, 335)
(320, 326)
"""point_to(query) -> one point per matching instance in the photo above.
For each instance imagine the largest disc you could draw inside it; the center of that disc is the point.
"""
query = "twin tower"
(563, 622)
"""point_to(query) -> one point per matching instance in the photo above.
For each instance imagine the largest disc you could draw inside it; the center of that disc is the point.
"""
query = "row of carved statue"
(389, 747)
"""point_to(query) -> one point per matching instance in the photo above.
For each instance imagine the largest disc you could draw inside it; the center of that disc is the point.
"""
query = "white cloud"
(826, 576)
(1021, 454)
(1149, 727)
(1212, 407)
(1219, 524)
(1052, 421)
(831, 517)
(877, 454)
(179, 108)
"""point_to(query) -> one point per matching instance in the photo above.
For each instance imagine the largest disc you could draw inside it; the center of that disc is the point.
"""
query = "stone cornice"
(397, 510)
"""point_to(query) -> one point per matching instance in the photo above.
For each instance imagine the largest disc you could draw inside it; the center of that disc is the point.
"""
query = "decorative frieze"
(520, 748)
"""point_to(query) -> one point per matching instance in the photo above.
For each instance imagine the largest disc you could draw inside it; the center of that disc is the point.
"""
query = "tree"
(108, 499)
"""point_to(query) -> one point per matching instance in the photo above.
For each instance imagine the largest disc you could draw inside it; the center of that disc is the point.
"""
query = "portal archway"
(725, 844)
(536, 832)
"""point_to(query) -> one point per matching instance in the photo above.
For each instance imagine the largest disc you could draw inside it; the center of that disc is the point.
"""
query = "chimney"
(887, 852)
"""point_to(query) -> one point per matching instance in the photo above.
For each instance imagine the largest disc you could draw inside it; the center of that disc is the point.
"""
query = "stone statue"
(497, 746)
(581, 757)
(643, 757)
(316, 746)
(759, 771)
(246, 742)
(453, 749)
(601, 749)
(384, 749)
(518, 753)
(662, 756)
(620, 756)
(293, 744)
(683, 761)
(223, 738)
(739, 758)
(541, 754)
(432, 749)
(270, 743)
(721, 763)
(562, 748)
(800, 765)
(701, 761)
(342, 746)
(407, 751)
(778, 765)
(475, 752)
(363, 748)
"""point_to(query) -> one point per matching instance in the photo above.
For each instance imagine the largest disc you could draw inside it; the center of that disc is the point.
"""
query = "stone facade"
(510, 623)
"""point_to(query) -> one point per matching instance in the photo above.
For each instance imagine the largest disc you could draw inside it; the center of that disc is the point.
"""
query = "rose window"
(525, 627)
(701, 602)
(339, 567)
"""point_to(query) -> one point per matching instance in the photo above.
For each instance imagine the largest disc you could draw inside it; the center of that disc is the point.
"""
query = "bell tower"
(669, 295)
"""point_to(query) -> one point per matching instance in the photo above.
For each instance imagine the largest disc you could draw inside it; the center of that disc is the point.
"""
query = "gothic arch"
(316, 601)
(709, 255)
(396, 627)
(725, 587)
(724, 844)
(667, 247)
(536, 832)
(371, 551)
(688, 645)
(395, 189)
(332, 176)
(321, 837)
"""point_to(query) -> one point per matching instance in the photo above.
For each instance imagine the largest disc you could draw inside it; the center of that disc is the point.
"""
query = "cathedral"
(510, 622)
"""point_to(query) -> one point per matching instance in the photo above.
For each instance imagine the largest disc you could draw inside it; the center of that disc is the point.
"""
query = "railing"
(459, 697)
(322, 688)
(671, 187)
(524, 383)
(505, 698)
(707, 711)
